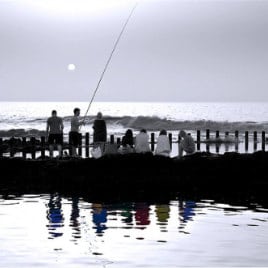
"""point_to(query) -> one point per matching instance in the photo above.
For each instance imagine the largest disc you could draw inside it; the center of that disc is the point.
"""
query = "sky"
(171, 50)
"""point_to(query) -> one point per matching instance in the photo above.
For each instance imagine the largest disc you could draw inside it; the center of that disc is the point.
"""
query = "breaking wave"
(156, 123)
(37, 127)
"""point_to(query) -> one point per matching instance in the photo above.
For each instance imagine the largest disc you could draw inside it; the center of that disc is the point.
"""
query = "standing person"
(187, 143)
(55, 133)
(142, 142)
(74, 135)
(163, 145)
(100, 131)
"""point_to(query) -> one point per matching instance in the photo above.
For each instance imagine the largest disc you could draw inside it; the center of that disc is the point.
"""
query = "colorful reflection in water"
(71, 232)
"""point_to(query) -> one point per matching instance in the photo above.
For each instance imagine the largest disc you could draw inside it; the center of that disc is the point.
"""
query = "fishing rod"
(109, 59)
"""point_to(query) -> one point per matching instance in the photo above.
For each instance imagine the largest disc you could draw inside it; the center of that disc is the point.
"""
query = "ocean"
(29, 118)
(150, 115)
(56, 229)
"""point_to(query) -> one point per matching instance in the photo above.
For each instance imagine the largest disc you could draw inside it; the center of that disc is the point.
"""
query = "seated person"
(128, 138)
(127, 143)
(163, 145)
(187, 143)
(142, 142)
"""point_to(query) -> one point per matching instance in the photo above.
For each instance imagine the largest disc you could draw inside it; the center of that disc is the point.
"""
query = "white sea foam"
(152, 116)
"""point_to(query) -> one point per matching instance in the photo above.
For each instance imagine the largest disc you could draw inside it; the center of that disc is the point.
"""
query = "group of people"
(55, 131)
(129, 144)
(140, 144)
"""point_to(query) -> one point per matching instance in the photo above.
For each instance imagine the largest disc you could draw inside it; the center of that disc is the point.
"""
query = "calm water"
(48, 230)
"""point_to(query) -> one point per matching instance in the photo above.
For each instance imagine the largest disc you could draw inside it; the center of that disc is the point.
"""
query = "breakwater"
(35, 146)
(140, 175)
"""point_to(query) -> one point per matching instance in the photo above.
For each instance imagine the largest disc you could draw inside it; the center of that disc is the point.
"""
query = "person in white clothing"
(142, 142)
(163, 145)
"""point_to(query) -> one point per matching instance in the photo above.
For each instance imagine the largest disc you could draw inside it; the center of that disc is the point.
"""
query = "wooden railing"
(33, 145)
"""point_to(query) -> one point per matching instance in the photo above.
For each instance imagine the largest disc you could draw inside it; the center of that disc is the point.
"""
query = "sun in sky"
(71, 67)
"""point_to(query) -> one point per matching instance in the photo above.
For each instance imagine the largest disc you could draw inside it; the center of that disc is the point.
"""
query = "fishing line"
(109, 59)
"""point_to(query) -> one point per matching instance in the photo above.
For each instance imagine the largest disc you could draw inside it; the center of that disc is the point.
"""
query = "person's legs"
(73, 143)
(60, 150)
(60, 143)
(180, 150)
(51, 140)
(74, 153)
(51, 148)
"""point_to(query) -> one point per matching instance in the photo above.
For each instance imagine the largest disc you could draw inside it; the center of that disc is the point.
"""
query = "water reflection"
(74, 219)
(162, 215)
(142, 213)
(186, 210)
(88, 233)
(99, 218)
(126, 213)
(55, 216)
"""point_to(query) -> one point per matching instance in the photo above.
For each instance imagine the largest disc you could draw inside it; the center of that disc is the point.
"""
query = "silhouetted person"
(142, 142)
(187, 143)
(74, 134)
(55, 133)
(128, 138)
(100, 131)
(127, 143)
(163, 145)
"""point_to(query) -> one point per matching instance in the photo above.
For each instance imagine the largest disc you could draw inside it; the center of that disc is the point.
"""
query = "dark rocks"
(202, 174)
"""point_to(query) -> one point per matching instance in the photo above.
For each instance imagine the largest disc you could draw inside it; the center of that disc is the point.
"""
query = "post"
(226, 143)
(236, 134)
(33, 151)
(207, 134)
(179, 140)
(198, 140)
(263, 140)
(236, 140)
(152, 141)
(170, 140)
(118, 141)
(87, 144)
(70, 145)
(43, 144)
(255, 140)
(24, 143)
(80, 145)
(11, 146)
(207, 140)
(112, 139)
(217, 143)
(207, 147)
(1, 144)
(246, 141)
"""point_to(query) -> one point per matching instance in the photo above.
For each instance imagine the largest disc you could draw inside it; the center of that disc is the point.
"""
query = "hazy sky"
(171, 50)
